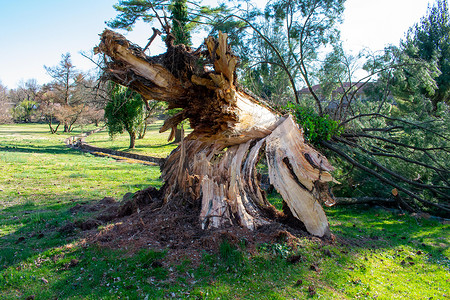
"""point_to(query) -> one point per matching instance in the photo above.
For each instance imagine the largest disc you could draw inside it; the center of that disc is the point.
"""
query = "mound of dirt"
(141, 221)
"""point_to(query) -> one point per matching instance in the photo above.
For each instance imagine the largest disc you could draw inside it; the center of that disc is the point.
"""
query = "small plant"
(316, 128)
(230, 254)
(281, 250)
(149, 256)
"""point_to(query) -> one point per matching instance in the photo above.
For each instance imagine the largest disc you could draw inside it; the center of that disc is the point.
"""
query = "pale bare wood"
(216, 163)
(294, 176)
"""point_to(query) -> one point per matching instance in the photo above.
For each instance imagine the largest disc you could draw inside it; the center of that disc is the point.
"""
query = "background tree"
(395, 141)
(71, 97)
(47, 107)
(428, 40)
(289, 36)
(63, 87)
(24, 99)
(261, 72)
(5, 106)
(124, 112)
(65, 76)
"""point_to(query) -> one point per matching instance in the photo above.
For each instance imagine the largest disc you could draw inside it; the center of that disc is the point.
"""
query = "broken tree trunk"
(216, 163)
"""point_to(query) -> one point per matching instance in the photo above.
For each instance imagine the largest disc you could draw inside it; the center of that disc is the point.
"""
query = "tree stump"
(216, 164)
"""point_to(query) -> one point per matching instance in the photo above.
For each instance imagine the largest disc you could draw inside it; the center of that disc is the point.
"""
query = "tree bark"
(50, 125)
(216, 163)
(179, 133)
(132, 139)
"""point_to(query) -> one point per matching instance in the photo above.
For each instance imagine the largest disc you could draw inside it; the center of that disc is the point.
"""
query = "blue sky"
(35, 33)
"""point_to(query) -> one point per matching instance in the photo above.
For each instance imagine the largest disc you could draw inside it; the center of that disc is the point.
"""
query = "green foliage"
(125, 111)
(184, 15)
(293, 34)
(24, 111)
(428, 40)
(179, 11)
(406, 76)
(315, 127)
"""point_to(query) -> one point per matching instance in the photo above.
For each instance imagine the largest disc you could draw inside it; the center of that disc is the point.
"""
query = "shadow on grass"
(29, 229)
(36, 258)
(41, 259)
(56, 149)
(376, 228)
(137, 147)
(33, 230)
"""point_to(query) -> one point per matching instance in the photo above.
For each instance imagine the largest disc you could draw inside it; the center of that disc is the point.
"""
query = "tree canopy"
(287, 37)
(124, 112)
(428, 40)
(184, 15)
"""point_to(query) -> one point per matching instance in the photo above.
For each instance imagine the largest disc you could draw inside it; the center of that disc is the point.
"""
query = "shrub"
(315, 128)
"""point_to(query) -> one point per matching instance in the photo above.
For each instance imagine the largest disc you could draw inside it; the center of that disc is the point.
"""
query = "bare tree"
(5, 106)
(64, 88)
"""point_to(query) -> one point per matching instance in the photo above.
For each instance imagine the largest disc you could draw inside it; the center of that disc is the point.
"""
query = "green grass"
(385, 255)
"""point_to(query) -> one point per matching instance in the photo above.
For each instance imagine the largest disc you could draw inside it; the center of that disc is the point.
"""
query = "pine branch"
(380, 177)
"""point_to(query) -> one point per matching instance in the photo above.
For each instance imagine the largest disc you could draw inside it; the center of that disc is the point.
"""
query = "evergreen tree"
(124, 112)
(428, 40)
(289, 36)
(184, 16)
(180, 20)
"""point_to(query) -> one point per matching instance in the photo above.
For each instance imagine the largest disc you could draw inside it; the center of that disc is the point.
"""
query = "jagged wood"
(216, 163)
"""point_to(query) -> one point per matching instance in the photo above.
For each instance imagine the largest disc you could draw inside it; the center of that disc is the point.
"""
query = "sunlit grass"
(378, 254)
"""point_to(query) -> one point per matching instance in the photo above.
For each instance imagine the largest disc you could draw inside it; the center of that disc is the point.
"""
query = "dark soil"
(141, 221)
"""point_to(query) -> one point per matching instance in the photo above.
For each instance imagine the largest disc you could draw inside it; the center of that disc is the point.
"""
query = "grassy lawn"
(379, 254)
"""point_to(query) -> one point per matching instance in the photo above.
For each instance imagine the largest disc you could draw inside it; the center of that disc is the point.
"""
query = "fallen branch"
(380, 177)
(356, 135)
(363, 200)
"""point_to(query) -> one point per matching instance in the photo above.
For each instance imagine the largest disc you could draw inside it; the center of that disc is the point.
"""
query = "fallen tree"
(214, 167)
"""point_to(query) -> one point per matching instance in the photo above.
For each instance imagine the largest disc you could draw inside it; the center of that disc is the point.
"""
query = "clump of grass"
(230, 254)
(149, 256)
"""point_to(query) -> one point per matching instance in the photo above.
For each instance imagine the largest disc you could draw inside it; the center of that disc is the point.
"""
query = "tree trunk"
(179, 134)
(142, 130)
(132, 139)
(53, 131)
(216, 163)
